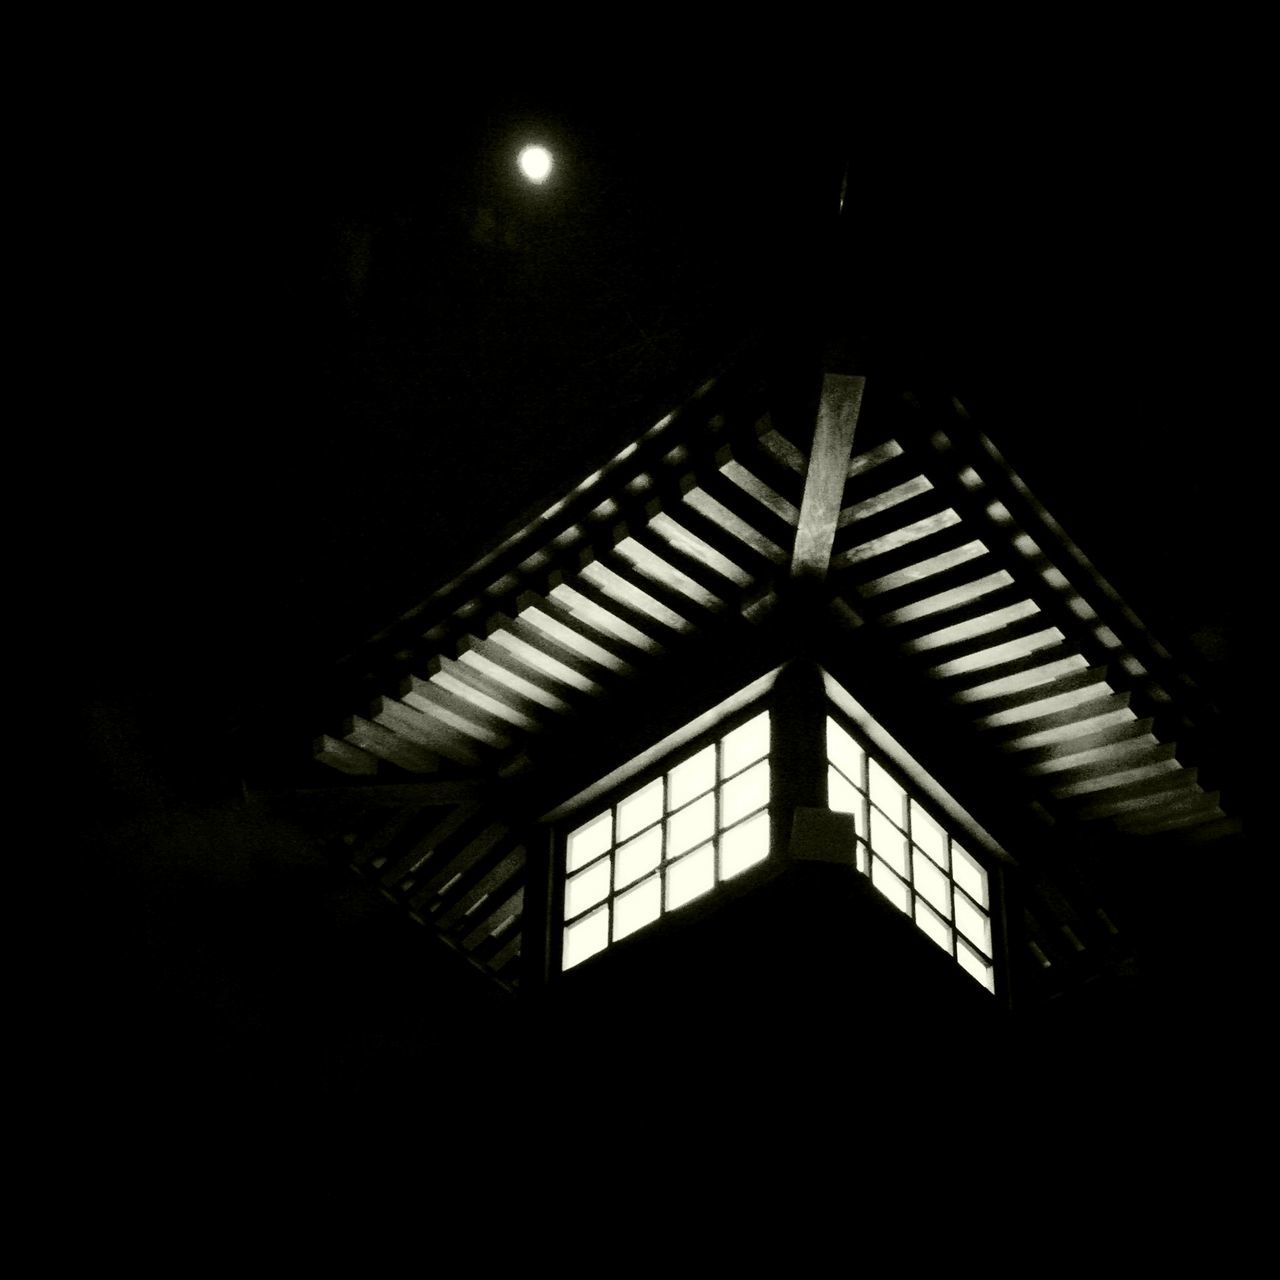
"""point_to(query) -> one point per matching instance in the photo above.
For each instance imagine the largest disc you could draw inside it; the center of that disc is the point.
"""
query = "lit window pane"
(931, 882)
(969, 875)
(641, 855)
(888, 842)
(974, 924)
(637, 907)
(843, 752)
(846, 799)
(886, 793)
(975, 964)
(692, 778)
(692, 825)
(589, 841)
(928, 835)
(933, 924)
(748, 792)
(890, 886)
(745, 745)
(586, 888)
(694, 874)
(639, 810)
(589, 935)
(744, 846)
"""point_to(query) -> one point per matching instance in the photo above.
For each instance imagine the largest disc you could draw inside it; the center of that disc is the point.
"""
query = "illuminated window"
(661, 845)
(910, 857)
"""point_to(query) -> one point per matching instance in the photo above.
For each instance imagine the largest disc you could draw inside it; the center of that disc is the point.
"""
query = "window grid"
(592, 923)
(964, 928)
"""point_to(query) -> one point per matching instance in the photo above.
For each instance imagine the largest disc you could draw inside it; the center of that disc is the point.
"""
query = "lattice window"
(911, 857)
(700, 823)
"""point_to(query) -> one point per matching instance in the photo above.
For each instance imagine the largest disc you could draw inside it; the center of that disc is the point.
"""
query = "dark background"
(334, 348)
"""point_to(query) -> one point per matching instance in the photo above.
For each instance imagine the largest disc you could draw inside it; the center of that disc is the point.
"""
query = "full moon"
(535, 163)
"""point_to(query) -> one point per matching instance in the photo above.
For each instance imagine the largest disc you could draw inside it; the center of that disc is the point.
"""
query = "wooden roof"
(861, 521)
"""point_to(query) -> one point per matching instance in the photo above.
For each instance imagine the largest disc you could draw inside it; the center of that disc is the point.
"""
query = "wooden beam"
(413, 726)
(388, 745)
(470, 682)
(462, 911)
(425, 843)
(1030, 759)
(344, 756)
(454, 714)
(442, 878)
(828, 466)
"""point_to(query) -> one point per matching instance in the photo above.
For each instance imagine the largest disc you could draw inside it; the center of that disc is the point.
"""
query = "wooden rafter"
(825, 476)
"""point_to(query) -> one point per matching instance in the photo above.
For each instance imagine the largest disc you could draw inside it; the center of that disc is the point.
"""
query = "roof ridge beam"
(825, 474)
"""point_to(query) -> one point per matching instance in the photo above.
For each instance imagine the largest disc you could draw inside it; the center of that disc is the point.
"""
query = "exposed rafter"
(692, 536)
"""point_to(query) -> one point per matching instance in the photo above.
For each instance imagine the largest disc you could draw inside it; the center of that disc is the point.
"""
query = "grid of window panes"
(672, 840)
(910, 858)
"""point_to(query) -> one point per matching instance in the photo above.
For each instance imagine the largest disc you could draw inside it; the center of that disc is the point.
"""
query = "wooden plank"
(505, 965)
(424, 845)
(530, 681)
(907, 607)
(638, 565)
(591, 677)
(503, 926)
(1109, 703)
(619, 578)
(491, 839)
(441, 705)
(861, 463)
(409, 723)
(1119, 755)
(388, 745)
(682, 567)
(699, 556)
(1065, 556)
(884, 500)
(1149, 793)
(756, 505)
(990, 628)
(468, 681)
(620, 653)
(1039, 553)
(1081, 779)
(1223, 829)
(552, 524)
(735, 528)
(762, 484)
(825, 475)
(1029, 758)
(371, 851)
(895, 538)
(344, 756)
(963, 611)
(1106, 777)
(462, 910)
(878, 528)
(914, 561)
(657, 635)
(1041, 693)
(1197, 809)
(779, 448)
(962, 682)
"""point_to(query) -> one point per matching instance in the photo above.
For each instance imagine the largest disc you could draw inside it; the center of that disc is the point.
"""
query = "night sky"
(365, 345)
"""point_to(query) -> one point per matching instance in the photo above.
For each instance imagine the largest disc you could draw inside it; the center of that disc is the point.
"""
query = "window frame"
(721, 890)
(972, 841)
(788, 712)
